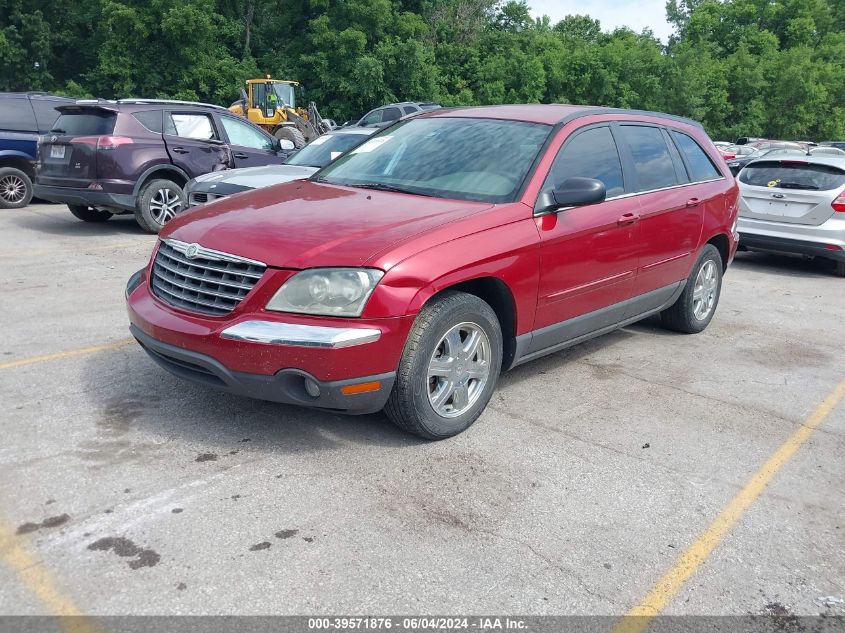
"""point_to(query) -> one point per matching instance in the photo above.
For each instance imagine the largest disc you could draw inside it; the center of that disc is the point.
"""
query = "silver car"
(794, 204)
(317, 154)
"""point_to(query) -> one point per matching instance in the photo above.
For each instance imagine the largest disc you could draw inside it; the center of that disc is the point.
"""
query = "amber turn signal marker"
(364, 387)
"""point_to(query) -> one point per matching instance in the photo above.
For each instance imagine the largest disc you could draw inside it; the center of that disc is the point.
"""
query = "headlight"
(327, 291)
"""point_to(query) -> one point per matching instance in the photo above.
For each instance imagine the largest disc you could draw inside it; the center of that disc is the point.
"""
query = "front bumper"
(826, 240)
(85, 197)
(272, 356)
(287, 385)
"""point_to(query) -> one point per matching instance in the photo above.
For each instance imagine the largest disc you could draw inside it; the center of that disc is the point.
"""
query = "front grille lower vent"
(199, 279)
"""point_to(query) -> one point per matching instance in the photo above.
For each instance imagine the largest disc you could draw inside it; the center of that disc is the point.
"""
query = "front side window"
(466, 159)
(700, 165)
(189, 125)
(589, 154)
(324, 149)
(652, 161)
(245, 135)
(410, 109)
(372, 118)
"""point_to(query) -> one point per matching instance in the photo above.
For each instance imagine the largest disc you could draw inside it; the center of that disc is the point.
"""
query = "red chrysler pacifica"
(408, 274)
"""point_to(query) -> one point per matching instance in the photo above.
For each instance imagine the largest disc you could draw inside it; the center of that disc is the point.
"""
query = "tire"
(88, 214)
(839, 269)
(290, 133)
(410, 404)
(15, 188)
(159, 202)
(687, 314)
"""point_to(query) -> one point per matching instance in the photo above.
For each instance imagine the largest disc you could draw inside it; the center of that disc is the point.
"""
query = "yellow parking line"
(73, 352)
(638, 618)
(38, 580)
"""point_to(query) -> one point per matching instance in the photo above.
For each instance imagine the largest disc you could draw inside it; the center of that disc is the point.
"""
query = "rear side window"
(150, 119)
(390, 114)
(189, 125)
(85, 123)
(652, 161)
(700, 165)
(792, 175)
(16, 116)
(409, 109)
(45, 113)
(589, 154)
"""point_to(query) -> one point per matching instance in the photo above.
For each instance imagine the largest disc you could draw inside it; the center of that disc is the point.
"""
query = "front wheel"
(449, 367)
(292, 134)
(694, 309)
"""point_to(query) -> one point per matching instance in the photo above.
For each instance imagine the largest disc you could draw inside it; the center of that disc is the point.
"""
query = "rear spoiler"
(89, 104)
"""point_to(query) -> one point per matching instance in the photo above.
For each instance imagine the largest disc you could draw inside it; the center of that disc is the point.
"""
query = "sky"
(635, 14)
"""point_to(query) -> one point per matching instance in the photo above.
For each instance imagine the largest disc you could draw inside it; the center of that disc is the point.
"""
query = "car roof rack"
(140, 101)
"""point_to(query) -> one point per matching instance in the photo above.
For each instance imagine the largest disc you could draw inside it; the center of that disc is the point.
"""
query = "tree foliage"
(742, 67)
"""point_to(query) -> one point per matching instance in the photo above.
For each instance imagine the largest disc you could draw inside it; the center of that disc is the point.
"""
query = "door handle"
(627, 218)
(180, 150)
(241, 155)
(693, 202)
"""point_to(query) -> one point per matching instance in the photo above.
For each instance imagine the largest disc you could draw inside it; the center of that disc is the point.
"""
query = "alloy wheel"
(164, 205)
(12, 189)
(459, 370)
(704, 290)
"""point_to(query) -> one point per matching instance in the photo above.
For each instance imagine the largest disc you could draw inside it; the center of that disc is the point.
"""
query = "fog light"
(312, 388)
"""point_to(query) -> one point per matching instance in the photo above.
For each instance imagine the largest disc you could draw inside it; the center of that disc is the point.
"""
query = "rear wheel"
(159, 202)
(15, 188)
(449, 367)
(88, 214)
(290, 133)
(840, 269)
(694, 309)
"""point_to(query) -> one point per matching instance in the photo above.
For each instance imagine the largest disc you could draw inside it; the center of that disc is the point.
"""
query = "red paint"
(556, 266)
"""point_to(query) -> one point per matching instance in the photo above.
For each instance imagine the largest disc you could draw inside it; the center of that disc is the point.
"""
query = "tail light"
(102, 142)
(839, 204)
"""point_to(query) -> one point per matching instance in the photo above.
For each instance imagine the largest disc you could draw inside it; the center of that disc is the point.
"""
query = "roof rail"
(170, 102)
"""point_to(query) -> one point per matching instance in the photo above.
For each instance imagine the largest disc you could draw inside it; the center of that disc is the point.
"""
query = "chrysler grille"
(199, 279)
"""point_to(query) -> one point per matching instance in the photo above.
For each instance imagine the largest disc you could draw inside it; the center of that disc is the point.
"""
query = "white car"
(311, 158)
(794, 204)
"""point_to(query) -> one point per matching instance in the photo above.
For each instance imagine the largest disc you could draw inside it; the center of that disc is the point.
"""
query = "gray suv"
(794, 204)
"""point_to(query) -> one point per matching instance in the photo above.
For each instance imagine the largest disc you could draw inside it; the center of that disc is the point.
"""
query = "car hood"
(254, 177)
(306, 224)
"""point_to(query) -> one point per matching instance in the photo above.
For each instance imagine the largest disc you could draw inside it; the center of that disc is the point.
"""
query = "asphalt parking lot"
(126, 491)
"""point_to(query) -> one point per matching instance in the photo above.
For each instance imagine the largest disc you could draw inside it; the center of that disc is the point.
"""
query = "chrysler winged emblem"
(54, 138)
(192, 250)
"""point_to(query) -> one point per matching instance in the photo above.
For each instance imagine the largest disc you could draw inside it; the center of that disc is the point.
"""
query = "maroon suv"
(448, 247)
(104, 158)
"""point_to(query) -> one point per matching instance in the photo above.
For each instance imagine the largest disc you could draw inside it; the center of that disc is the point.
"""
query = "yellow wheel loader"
(271, 103)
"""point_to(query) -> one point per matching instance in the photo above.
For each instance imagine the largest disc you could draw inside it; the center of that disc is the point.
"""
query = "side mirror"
(573, 192)
(286, 145)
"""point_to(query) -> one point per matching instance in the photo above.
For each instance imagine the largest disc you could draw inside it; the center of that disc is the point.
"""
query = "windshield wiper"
(380, 186)
(796, 185)
(59, 130)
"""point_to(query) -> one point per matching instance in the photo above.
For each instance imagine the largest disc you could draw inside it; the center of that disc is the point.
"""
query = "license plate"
(57, 151)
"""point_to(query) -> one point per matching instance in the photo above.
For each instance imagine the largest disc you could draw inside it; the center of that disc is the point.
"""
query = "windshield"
(324, 149)
(466, 159)
(285, 93)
